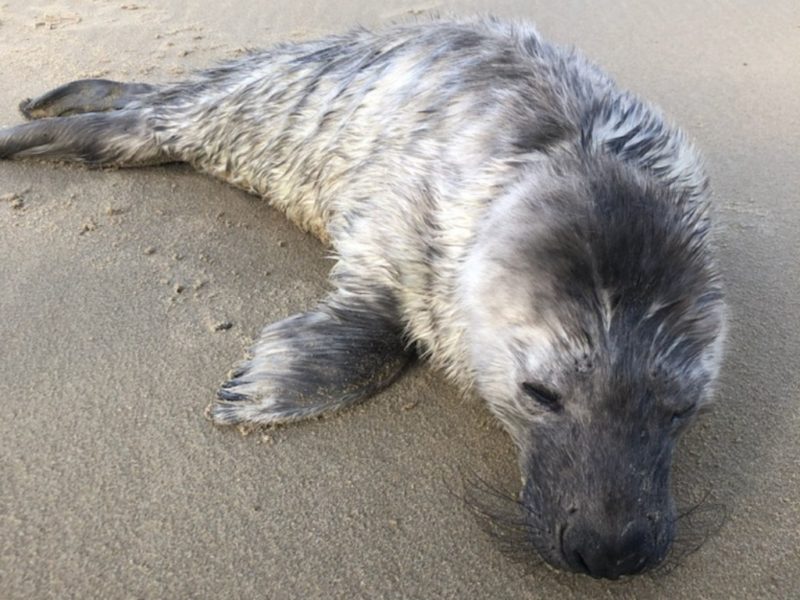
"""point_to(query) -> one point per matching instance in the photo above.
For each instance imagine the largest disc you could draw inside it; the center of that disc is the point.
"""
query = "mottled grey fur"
(495, 203)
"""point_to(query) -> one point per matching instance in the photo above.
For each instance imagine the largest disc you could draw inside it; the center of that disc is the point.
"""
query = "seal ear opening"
(311, 364)
(547, 131)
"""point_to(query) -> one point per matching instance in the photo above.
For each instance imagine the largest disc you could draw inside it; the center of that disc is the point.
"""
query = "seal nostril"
(639, 566)
(572, 557)
(580, 563)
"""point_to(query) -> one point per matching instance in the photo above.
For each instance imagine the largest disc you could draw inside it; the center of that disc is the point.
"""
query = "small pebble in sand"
(88, 226)
(113, 211)
(14, 199)
(281, 244)
(410, 405)
(150, 250)
(221, 326)
(178, 288)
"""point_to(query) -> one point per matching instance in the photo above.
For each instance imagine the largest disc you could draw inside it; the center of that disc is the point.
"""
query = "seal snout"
(610, 554)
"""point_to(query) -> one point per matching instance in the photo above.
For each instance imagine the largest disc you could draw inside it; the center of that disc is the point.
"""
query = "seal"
(495, 204)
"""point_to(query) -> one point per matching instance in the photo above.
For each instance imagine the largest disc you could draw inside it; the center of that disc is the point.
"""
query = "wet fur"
(496, 204)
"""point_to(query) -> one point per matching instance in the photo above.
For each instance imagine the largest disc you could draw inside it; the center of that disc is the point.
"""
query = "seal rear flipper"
(84, 96)
(120, 138)
(313, 363)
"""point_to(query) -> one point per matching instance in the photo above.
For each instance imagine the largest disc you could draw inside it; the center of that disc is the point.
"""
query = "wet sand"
(114, 284)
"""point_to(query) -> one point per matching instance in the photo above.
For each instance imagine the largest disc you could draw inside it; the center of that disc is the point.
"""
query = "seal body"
(496, 204)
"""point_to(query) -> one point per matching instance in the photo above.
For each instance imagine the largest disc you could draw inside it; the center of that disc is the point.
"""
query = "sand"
(126, 295)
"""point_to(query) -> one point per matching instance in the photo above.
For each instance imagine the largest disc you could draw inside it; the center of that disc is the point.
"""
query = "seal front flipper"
(313, 363)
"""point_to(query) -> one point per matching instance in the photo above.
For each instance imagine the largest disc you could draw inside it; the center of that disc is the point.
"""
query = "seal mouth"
(569, 544)
(519, 532)
(574, 562)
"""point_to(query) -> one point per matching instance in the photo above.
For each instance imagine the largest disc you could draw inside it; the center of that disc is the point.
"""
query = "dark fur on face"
(623, 283)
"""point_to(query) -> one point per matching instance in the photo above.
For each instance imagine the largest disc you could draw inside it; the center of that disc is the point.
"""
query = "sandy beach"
(126, 295)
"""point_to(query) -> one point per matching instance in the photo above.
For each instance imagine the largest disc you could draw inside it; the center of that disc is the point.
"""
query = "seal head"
(596, 321)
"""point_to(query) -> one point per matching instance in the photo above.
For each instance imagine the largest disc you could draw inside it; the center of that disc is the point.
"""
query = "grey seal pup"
(495, 204)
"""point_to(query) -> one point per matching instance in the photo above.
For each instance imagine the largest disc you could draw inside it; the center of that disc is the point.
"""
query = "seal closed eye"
(542, 395)
(496, 204)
